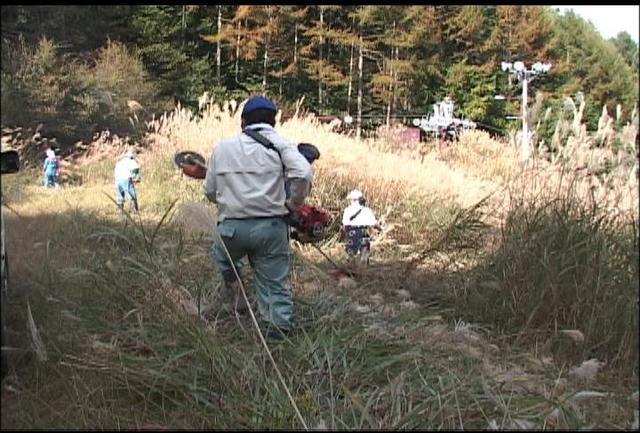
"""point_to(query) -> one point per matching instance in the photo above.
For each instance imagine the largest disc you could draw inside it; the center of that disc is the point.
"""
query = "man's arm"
(369, 217)
(135, 171)
(299, 191)
(298, 171)
(209, 184)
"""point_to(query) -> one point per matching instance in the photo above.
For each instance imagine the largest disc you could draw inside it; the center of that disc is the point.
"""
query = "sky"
(609, 20)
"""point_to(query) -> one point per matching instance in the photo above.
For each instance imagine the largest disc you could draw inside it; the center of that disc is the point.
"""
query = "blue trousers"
(49, 178)
(357, 240)
(124, 188)
(265, 242)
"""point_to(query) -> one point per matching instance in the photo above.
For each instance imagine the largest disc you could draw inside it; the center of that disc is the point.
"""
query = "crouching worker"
(356, 221)
(126, 174)
(246, 176)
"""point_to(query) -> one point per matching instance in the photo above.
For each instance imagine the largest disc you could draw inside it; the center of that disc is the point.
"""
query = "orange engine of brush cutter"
(195, 171)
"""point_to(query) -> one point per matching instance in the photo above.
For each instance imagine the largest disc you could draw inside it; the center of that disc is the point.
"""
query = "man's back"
(248, 178)
(124, 168)
(357, 215)
(50, 164)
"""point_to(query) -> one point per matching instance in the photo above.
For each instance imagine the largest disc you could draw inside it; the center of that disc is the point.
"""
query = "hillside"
(498, 297)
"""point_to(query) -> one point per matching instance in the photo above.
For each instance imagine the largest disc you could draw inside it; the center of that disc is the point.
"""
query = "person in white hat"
(126, 173)
(50, 169)
(357, 218)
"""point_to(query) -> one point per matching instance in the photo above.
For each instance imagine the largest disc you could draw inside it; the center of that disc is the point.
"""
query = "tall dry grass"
(563, 263)
(582, 188)
(122, 352)
(483, 156)
(183, 129)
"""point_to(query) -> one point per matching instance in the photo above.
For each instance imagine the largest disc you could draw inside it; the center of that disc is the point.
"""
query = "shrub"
(118, 86)
(35, 87)
(73, 99)
(564, 264)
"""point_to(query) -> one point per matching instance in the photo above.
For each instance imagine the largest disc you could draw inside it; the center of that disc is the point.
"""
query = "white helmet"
(130, 154)
(50, 153)
(354, 195)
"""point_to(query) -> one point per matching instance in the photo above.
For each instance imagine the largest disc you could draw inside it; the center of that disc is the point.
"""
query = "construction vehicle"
(442, 123)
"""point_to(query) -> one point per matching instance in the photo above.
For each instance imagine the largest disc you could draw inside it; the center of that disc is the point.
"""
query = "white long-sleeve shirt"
(365, 218)
(246, 179)
(126, 168)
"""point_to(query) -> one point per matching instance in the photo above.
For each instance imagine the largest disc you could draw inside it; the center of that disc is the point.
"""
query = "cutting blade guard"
(191, 163)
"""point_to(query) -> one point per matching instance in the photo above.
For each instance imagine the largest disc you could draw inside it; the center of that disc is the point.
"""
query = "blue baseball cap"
(257, 102)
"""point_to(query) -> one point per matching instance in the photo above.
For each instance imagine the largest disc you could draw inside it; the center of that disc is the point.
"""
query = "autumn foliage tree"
(379, 62)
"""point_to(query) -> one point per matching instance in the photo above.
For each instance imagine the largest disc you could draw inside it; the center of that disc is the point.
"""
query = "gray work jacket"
(246, 179)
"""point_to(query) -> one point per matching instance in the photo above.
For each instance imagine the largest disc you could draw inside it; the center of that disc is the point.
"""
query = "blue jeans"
(265, 242)
(124, 188)
(49, 179)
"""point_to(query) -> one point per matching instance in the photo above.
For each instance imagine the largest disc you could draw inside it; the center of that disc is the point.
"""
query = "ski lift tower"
(525, 75)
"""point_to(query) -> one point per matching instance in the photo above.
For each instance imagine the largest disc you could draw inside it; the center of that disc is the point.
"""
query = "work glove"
(293, 218)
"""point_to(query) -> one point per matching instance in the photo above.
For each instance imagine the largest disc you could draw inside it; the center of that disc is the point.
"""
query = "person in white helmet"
(50, 169)
(357, 218)
(126, 173)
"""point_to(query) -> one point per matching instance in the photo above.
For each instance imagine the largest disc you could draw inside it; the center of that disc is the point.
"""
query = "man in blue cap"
(245, 177)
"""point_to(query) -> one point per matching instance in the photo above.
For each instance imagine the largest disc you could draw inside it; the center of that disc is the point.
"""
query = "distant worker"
(447, 134)
(357, 219)
(452, 131)
(50, 169)
(127, 173)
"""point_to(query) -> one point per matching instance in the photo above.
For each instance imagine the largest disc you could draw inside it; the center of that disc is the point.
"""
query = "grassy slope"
(108, 299)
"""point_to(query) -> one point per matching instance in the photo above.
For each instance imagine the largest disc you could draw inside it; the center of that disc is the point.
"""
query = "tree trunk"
(525, 150)
(295, 44)
(218, 45)
(389, 90)
(391, 84)
(395, 84)
(266, 58)
(350, 80)
(359, 121)
(320, 103)
(292, 88)
(184, 24)
(264, 70)
(237, 49)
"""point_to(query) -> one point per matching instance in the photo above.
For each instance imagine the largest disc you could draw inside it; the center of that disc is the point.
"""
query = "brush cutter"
(191, 163)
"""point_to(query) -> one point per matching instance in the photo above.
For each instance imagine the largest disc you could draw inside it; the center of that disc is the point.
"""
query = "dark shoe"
(279, 334)
(242, 309)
